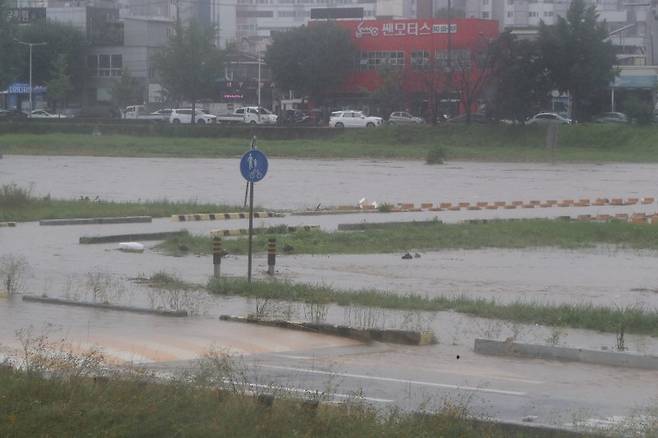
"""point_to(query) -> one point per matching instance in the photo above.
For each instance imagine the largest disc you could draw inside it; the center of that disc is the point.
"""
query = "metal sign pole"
(251, 226)
(251, 217)
(253, 167)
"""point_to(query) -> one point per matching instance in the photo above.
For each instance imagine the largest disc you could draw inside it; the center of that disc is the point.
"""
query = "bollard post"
(216, 256)
(271, 255)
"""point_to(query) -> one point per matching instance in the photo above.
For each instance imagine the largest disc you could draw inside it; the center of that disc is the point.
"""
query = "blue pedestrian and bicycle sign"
(253, 165)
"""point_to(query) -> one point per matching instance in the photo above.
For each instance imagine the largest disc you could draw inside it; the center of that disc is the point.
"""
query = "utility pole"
(30, 45)
(449, 64)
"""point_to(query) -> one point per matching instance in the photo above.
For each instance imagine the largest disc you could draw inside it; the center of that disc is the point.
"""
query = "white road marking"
(288, 356)
(309, 391)
(391, 379)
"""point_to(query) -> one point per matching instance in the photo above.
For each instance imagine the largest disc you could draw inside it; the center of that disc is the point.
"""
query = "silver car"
(547, 118)
(404, 118)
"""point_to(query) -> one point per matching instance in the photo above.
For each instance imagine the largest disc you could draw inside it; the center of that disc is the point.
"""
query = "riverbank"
(138, 406)
(504, 143)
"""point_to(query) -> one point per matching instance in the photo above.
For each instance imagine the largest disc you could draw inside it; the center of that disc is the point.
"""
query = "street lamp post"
(259, 63)
(30, 45)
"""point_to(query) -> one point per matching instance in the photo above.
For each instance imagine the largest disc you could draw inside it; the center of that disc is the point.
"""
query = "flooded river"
(307, 183)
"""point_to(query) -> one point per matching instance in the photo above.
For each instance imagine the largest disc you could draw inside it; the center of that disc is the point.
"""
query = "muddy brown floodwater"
(306, 183)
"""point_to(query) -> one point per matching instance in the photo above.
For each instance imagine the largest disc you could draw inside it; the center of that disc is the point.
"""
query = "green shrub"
(436, 155)
(12, 195)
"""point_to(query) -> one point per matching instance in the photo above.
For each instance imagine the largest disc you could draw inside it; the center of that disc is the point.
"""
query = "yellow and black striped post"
(271, 255)
(216, 255)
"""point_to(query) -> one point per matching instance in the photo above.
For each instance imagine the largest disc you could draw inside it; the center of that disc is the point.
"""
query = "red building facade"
(423, 51)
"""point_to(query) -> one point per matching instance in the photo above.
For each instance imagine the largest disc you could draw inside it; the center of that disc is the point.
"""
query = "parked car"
(294, 117)
(184, 115)
(404, 118)
(43, 114)
(547, 118)
(12, 115)
(253, 115)
(353, 119)
(612, 117)
(138, 112)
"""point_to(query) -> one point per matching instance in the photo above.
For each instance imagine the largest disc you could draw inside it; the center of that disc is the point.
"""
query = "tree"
(9, 53)
(190, 65)
(63, 41)
(472, 70)
(311, 60)
(59, 86)
(520, 78)
(578, 57)
(127, 91)
(390, 95)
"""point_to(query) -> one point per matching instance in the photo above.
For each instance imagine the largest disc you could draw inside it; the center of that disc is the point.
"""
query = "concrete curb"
(129, 237)
(7, 224)
(269, 230)
(480, 205)
(377, 226)
(405, 337)
(46, 300)
(547, 352)
(221, 216)
(98, 220)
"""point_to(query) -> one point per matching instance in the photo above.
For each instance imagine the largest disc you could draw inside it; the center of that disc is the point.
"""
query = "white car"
(546, 118)
(353, 119)
(42, 114)
(184, 115)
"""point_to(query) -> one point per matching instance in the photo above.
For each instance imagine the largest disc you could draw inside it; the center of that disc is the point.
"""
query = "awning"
(635, 81)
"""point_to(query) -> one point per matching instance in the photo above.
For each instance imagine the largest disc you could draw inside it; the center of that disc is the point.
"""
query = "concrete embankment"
(549, 352)
(98, 220)
(104, 306)
(406, 337)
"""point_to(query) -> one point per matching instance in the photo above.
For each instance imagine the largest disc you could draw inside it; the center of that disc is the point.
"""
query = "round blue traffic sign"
(253, 165)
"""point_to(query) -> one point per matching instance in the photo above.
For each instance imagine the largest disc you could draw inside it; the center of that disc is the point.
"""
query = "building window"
(105, 65)
(420, 60)
(372, 60)
(485, 15)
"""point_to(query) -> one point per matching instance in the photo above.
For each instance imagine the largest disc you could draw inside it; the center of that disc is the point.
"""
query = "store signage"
(401, 28)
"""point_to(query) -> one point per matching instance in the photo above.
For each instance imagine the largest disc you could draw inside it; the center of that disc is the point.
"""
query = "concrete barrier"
(98, 220)
(221, 216)
(405, 337)
(268, 230)
(59, 301)
(548, 352)
(129, 237)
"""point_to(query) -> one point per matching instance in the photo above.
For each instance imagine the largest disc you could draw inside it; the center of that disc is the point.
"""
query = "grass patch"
(498, 234)
(595, 142)
(19, 204)
(604, 319)
(34, 406)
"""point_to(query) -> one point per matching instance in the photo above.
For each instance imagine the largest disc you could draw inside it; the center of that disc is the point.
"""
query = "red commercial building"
(422, 51)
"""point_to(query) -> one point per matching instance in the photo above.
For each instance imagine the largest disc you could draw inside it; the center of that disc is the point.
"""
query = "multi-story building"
(633, 28)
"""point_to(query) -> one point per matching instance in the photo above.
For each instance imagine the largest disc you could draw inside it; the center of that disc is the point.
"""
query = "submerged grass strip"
(604, 319)
(45, 208)
(504, 234)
